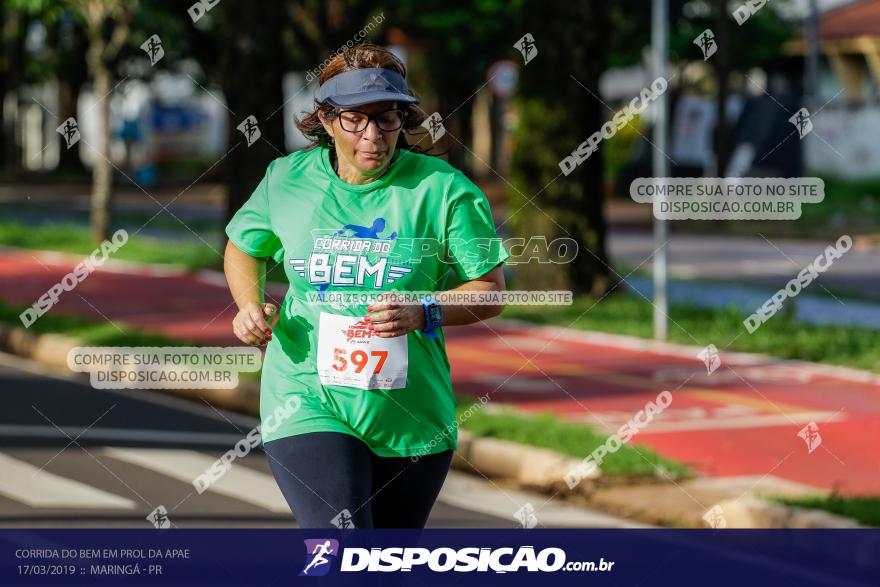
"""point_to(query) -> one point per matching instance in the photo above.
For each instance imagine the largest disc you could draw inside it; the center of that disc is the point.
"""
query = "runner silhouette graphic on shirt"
(319, 559)
(364, 232)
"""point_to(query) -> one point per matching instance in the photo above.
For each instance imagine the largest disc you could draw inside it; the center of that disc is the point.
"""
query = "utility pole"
(659, 44)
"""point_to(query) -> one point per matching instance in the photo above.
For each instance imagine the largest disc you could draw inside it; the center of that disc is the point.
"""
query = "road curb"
(531, 467)
(754, 512)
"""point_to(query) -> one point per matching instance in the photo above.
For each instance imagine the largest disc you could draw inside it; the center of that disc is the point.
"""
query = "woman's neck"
(352, 175)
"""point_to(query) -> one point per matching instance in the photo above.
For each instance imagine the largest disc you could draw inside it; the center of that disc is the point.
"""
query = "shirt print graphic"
(354, 256)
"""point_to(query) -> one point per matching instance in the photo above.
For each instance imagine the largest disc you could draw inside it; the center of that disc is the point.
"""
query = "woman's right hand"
(254, 322)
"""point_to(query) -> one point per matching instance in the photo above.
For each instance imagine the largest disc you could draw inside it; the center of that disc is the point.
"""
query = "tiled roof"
(855, 19)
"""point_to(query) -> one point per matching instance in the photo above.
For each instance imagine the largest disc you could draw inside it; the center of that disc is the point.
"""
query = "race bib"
(351, 354)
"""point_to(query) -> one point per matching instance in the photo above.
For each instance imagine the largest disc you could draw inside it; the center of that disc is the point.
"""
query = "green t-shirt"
(412, 229)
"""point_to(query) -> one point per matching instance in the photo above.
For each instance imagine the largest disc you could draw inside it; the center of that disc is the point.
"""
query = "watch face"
(435, 313)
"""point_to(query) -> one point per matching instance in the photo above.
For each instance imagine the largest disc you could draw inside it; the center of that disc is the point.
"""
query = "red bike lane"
(742, 419)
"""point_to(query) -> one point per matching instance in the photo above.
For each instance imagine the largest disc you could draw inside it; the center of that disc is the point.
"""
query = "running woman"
(356, 404)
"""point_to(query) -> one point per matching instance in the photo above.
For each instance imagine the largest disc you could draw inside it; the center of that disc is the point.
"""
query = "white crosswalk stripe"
(239, 482)
(32, 486)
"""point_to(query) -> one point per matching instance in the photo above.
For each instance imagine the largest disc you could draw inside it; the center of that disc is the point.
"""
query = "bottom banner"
(439, 557)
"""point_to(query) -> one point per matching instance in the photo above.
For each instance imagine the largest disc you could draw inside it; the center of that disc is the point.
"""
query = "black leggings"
(323, 473)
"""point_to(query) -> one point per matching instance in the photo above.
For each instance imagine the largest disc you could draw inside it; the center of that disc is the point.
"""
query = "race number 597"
(359, 359)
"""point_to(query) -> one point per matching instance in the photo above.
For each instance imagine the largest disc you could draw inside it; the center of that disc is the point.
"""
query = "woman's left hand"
(389, 319)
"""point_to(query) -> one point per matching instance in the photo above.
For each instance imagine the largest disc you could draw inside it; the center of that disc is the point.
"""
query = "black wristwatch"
(433, 317)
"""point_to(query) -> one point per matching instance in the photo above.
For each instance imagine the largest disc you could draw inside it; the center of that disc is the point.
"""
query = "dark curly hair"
(362, 56)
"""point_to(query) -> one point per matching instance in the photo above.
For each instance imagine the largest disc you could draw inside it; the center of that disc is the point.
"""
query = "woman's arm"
(458, 314)
(389, 319)
(246, 277)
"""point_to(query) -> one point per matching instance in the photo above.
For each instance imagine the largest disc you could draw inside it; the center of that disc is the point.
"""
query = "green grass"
(852, 203)
(864, 509)
(624, 313)
(577, 440)
(850, 206)
(76, 240)
(90, 331)
(68, 238)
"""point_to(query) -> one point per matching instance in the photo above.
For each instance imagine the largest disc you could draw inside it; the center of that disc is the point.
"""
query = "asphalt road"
(752, 260)
(74, 456)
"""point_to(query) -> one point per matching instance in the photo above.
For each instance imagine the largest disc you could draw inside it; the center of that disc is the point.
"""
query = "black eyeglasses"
(357, 121)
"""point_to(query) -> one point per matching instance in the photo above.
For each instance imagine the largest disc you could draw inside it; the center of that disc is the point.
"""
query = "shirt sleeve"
(251, 227)
(473, 247)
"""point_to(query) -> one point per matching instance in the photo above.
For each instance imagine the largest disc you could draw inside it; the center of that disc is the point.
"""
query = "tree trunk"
(68, 97)
(71, 74)
(12, 44)
(556, 114)
(252, 73)
(102, 171)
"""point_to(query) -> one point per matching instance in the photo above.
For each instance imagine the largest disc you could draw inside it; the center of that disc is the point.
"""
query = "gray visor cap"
(363, 86)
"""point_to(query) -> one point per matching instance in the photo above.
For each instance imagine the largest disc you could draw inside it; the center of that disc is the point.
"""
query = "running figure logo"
(810, 435)
(526, 46)
(710, 358)
(159, 518)
(434, 126)
(364, 232)
(706, 42)
(343, 520)
(250, 130)
(69, 129)
(317, 550)
(714, 518)
(153, 49)
(801, 121)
